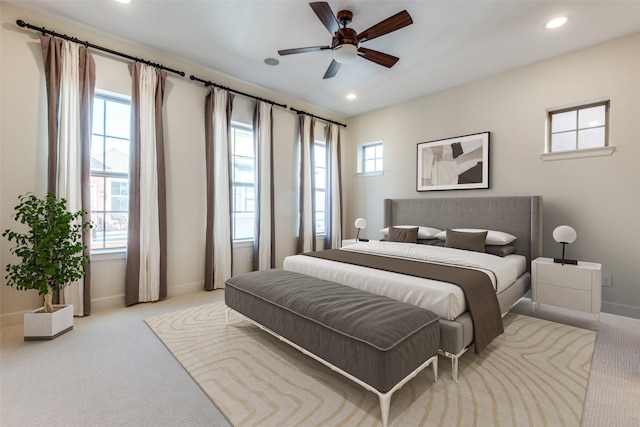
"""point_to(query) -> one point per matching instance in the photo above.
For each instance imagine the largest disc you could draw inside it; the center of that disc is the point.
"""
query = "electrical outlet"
(606, 280)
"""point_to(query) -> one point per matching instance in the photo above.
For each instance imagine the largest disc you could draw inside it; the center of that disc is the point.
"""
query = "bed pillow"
(403, 234)
(423, 232)
(500, 250)
(431, 242)
(465, 240)
(493, 237)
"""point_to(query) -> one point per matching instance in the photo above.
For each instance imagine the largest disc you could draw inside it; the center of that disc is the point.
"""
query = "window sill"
(578, 154)
(364, 174)
(108, 255)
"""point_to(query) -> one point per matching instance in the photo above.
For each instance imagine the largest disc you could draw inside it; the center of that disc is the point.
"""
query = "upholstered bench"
(378, 342)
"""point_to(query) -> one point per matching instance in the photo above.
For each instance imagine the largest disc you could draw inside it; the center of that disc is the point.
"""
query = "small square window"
(579, 128)
(370, 158)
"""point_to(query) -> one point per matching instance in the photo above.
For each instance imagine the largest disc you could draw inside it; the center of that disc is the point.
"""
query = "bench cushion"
(374, 338)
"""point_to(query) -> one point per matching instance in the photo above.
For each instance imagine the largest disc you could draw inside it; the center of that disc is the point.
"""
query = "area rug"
(535, 374)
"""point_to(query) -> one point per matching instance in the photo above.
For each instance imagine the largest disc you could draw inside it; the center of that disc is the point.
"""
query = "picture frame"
(459, 163)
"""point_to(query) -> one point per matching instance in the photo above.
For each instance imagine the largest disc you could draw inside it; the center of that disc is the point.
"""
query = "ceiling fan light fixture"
(344, 53)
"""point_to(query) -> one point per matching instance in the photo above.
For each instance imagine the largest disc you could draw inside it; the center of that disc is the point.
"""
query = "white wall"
(598, 196)
(23, 156)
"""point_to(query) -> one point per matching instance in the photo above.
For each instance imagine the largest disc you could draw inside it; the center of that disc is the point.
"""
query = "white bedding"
(444, 299)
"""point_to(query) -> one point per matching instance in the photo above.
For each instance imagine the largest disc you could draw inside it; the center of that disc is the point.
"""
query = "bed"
(518, 216)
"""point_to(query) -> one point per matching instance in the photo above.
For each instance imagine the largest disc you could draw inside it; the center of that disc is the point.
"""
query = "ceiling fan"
(345, 42)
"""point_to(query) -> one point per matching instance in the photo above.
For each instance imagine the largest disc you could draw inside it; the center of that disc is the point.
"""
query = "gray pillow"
(500, 250)
(404, 235)
(466, 241)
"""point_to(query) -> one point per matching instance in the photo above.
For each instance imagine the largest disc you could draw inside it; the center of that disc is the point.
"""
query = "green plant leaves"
(51, 250)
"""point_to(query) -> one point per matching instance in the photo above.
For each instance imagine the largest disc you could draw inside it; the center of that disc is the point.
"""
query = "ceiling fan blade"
(303, 50)
(397, 21)
(332, 70)
(326, 15)
(378, 57)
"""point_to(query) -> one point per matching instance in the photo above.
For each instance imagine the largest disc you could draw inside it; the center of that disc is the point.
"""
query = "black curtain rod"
(210, 83)
(317, 117)
(86, 44)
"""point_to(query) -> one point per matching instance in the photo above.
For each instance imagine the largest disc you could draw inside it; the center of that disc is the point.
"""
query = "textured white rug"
(535, 374)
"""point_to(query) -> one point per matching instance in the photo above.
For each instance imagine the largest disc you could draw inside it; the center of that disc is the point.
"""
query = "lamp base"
(565, 261)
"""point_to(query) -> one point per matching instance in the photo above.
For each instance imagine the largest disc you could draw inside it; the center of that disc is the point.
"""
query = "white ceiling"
(450, 42)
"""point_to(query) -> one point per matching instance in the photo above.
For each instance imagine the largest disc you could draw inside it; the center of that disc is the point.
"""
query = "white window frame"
(605, 150)
(241, 127)
(107, 96)
(326, 190)
(361, 159)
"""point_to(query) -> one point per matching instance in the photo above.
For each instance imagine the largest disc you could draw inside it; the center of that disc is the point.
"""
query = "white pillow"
(493, 237)
(423, 232)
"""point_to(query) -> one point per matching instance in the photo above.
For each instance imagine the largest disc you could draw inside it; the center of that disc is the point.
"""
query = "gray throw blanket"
(477, 287)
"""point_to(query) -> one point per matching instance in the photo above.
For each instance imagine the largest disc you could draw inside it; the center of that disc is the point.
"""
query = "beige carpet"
(535, 374)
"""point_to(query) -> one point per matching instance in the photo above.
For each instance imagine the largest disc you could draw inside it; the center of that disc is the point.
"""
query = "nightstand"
(577, 287)
(347, 242)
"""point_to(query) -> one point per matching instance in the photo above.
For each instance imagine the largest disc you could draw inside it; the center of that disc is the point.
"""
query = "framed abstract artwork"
(459, 163)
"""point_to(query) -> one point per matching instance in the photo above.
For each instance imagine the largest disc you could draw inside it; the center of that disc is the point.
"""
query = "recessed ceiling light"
(557, 22)
(124, 1)
(271, 61)
(351, 96)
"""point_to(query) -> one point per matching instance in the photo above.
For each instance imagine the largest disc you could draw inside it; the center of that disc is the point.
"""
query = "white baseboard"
(118, 301)
(621, 309)
(108, 303)
(12, 319)
(185, 288)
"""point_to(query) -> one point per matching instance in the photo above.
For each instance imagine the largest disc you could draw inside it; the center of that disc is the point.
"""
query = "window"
(320, 183)
(579, 128)
(110, 172)
(243, 182)
(370, 158)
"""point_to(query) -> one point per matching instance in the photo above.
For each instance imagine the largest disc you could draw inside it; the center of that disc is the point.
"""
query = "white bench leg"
(434, 365)
(385, 403)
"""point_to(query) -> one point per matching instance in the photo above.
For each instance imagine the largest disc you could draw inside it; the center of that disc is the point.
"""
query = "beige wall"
(23, 156)
(598, 196)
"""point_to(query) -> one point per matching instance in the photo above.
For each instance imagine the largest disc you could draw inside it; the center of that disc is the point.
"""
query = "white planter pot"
(47, 326)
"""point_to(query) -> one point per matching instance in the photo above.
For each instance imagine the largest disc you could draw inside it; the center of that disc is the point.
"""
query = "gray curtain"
(334, 199)
(306, 199)
(146, 273)
(52, 51)
(264, 237)
(218, 240)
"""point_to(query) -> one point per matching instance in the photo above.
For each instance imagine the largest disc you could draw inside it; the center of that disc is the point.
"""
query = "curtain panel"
(146, 273)
(70, 82)
(264, 236)
(306, 199)
(334, 204)
(218, 241)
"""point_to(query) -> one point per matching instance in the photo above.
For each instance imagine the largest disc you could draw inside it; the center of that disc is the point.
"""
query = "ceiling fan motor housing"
(345, 17)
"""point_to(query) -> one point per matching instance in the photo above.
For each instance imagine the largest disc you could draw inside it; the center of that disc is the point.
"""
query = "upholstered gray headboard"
(520, 216)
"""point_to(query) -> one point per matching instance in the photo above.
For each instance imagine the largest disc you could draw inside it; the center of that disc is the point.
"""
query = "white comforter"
(444, 299)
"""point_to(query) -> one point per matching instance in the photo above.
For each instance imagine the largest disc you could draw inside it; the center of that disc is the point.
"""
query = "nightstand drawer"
(564, 275)
(564, 297)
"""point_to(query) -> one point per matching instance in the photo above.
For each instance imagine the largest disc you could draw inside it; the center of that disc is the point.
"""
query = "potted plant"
(52, 257)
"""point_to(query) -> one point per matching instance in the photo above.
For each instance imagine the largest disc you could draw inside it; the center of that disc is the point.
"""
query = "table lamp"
(360, 224)
(565, 235)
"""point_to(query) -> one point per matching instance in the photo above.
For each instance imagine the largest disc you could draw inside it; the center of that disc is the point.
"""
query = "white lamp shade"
(344, 53)
(360, 223)
(564, 234)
